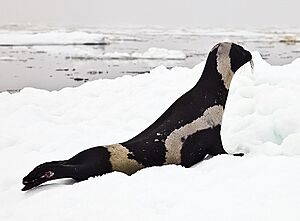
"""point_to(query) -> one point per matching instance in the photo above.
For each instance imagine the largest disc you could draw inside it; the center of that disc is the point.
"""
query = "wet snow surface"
(261, 118)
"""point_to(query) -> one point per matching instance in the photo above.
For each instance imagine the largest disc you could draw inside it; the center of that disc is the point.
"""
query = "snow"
(49, 38)
(258, 118)
(261, 119)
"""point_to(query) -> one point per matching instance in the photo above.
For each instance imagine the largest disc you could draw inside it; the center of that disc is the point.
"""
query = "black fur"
(148, 148)
(88, 163)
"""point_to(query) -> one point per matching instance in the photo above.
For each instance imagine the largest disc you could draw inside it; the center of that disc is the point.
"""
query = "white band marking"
(224, 64)
(210, 118)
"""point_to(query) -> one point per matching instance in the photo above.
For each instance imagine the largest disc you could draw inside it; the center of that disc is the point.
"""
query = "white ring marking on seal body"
(119, 159)
(210, 118)
(224, 64)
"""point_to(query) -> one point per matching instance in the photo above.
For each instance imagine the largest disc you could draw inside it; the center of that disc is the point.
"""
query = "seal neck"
(212, 86)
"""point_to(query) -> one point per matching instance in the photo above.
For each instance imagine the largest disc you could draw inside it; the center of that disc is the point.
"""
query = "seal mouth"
(29, 184)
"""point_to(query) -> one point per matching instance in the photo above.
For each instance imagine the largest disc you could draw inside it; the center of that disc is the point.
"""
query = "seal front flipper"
(239, 154)
(193, 149)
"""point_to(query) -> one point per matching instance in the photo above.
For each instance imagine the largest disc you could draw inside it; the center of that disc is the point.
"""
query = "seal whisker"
(252, 66)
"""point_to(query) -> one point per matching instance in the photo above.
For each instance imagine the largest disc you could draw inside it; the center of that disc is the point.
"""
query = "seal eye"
(48, 174)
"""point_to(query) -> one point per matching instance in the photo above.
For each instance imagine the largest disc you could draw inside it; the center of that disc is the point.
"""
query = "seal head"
(227, 58)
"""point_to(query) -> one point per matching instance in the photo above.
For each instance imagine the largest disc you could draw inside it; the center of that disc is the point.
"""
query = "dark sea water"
(52, 62)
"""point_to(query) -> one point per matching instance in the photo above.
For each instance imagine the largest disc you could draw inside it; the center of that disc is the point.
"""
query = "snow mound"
(261, 118)
(262, 115)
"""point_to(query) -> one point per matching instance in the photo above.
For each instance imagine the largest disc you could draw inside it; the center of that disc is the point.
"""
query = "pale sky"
(169, 13)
